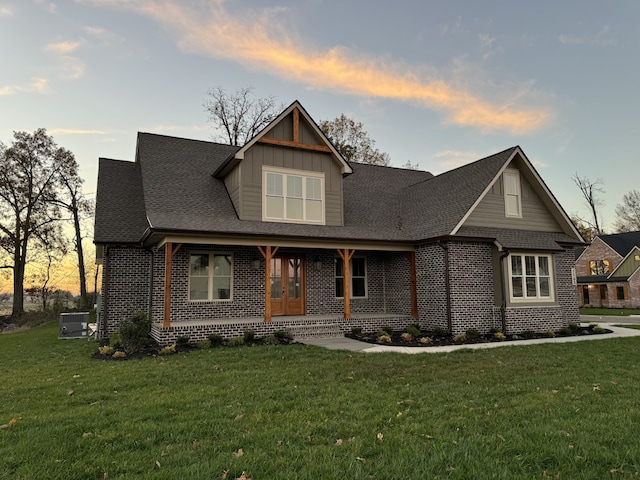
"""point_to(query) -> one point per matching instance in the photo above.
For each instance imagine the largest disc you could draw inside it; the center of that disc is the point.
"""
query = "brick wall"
(430, 279)
(598, 250)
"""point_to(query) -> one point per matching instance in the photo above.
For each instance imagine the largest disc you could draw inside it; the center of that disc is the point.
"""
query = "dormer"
(290, 173)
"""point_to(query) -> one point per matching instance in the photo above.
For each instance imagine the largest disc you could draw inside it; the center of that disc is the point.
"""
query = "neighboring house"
(608, 272)
(283, 233)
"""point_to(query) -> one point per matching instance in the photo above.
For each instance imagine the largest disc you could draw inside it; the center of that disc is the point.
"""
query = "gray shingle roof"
(171, 186)
(622, 243)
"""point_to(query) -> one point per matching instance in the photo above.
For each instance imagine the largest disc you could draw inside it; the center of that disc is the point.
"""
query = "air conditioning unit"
(74, 325)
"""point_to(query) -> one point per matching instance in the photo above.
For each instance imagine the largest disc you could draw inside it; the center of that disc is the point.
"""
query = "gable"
(628, 265)
(518, 199)
(597, 251)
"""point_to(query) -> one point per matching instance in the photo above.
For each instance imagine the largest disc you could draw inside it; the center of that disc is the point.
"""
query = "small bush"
(574, 328)
(236, 341)
(425, 340)
(115, 341)
(597, 329)
(384, 338)
(549, 334)
(529, 334)
(182, 341)
(168, 350)
(439, 332)
(499, 336)
(565, 331)
(460, 338)
(215, 340)
(282, 335)
(249, 336)
(386, 329)
(356, 331)
(407, 337)
(271, 340)
(413, 330)
(473, 333)
(106, 350)
(135, 332)
(119, 354)
(204, 344)
(494, 330)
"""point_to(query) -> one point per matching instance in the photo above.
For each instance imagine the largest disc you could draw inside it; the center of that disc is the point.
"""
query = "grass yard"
(300, 412)
(610, 312)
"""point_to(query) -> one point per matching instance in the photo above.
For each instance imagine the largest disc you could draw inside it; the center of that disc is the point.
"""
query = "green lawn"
(299, 412)
(611, 312)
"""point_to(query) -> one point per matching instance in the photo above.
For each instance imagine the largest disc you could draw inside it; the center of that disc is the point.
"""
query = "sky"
(437, 84)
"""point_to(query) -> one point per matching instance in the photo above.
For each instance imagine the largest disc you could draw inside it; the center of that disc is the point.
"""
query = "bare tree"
(30, 185)
(628, 212)
(590, 190)
(239, 116)
(587, 232)
(352, 141)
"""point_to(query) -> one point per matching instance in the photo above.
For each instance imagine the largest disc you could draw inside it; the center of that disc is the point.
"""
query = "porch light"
(255, 264)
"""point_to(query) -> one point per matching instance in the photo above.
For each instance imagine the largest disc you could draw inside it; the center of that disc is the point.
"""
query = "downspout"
(503, 287)
(447, 284)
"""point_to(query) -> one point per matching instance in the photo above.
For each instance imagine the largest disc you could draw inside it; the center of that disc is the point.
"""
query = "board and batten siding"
(250, 177)
(629, 265)
(491, 210)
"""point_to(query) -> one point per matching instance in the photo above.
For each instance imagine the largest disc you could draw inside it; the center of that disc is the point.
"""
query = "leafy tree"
(239, 115)
(31, 169)
(628, 212)
(352, 141)
(590, 190)
(586, 231)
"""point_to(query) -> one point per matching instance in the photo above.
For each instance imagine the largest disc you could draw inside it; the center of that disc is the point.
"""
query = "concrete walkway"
(356, 346)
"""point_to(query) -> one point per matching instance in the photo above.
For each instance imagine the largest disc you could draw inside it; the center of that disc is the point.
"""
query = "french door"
(287, 285)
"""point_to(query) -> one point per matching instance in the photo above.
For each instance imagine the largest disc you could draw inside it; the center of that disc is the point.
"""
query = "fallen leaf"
(157, 464)
(164, 453)
(239, 453)
(360, 459)
(224, 474)
(76, 376)
(380, 436)
(596, 386)
(243, 477)
(238, 417)
(194, 445)
(339, 441)
(86, 434)
(105, 475)
(279, 443)
(69, 392)
(399, 415)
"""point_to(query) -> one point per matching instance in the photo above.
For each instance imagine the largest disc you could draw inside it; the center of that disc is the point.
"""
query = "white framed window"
(512, 194)
(292, 196)
(210, 276)
(531, 277)
(358, 270)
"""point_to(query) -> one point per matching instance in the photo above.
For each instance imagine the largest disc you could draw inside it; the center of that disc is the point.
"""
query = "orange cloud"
(260, 41)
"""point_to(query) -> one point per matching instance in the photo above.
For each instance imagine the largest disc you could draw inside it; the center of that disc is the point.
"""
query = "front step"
(315, 331)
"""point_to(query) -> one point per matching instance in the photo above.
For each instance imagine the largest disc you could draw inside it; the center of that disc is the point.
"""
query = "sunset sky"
(435, 83)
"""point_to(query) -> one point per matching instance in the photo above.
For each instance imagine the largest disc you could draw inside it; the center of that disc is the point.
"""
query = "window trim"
(286, 172)
(525, 298)
(366, 277)
(518, 194)
(594, 267)
(211, 277)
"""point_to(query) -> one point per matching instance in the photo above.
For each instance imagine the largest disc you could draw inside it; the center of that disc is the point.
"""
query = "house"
(283, 233)
(608, 272)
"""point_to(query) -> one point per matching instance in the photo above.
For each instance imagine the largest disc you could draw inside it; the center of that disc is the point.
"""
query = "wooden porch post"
(411, 257)
(268, 254)
(169, 252)
(346, 255)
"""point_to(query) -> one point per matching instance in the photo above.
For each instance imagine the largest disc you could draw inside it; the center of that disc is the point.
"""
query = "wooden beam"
(296, 125)
(292, 144)
(346, 255)
(268, 252)
(411, 257)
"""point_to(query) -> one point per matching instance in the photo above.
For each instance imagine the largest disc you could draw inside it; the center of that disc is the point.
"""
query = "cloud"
(75, 131)
(603, 38)
(449, 159)
(69, 67)
(37, 85)
(6, 11)
(261, 40)
(103, 35)
(62, 47)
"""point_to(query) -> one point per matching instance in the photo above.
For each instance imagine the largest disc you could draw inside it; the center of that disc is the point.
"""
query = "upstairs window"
(531, 278)
(512, 194)
(599, 267)
(293, 196)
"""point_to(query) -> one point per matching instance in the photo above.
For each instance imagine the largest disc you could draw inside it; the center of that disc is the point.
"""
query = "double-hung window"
(512, 194)
(531, 277)
(358, 270)
(210, 276)
(293, 196)
(599, 267)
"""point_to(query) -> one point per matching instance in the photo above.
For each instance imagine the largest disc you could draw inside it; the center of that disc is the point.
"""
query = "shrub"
(425, 340)
(473, 333)
(271, 340)
(407, 337)
(204, 344)
(119, 354)
(413, 330)
(356, 331)
(135, 332)
(549, 334)
(494, 330)
(565, 331)
(597, 329)
(249, 336)
(282, 335)
(115, 341)
(529, 334)
(439, 332)
(168, 350)
(460, 338)
(499, 336)
(215, 339)
(236, 341)
(574, 328)
(384, 338)
(106, 350)
(386, 329)
(182, 341)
